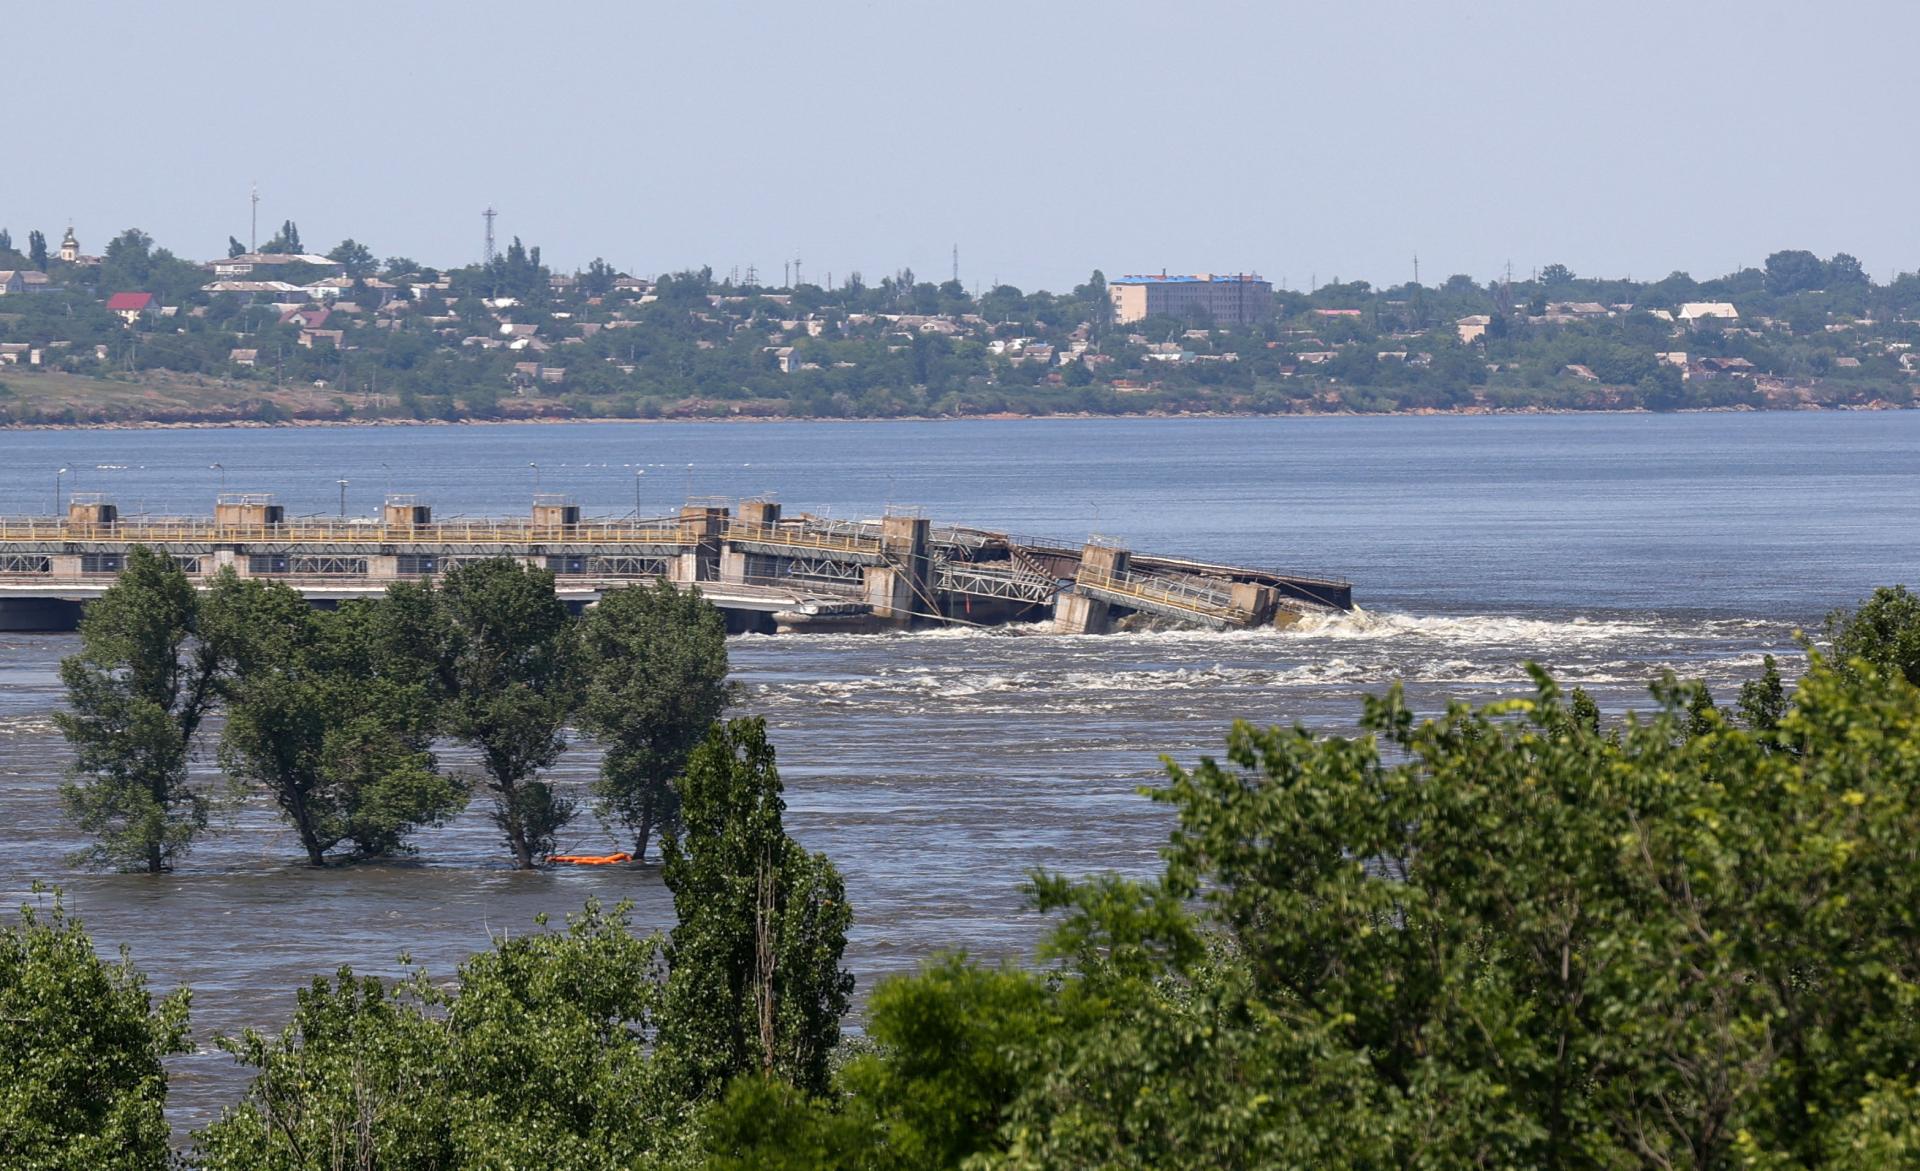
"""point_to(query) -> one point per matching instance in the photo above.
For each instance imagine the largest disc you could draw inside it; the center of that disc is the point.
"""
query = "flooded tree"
(332, 713)
(656, 680)
(512, 664)
(137, 691)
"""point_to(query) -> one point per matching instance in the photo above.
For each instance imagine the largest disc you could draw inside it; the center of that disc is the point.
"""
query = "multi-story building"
(1234, 299)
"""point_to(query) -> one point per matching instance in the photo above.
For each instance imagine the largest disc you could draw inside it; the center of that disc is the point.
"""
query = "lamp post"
(637, 473)
(59, 477)
(343, 498)
(222, 469)
(536, 476)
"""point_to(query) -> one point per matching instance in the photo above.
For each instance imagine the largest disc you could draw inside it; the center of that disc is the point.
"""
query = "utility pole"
(1416, 268)
(488, 215)
(796, 271)
(253, 227)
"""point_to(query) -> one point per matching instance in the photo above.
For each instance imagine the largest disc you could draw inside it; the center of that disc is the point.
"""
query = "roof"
(122, 302)
(1694, 310)
(1197, 278)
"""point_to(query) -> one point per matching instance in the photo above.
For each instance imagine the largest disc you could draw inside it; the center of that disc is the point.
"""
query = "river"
(938, 768)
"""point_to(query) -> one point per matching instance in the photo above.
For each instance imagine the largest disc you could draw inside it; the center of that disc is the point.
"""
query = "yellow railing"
(804, 538)
(1195, 600)
(167, 530)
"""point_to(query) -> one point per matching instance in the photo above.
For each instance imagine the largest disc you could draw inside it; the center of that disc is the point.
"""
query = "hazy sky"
(1044, 138)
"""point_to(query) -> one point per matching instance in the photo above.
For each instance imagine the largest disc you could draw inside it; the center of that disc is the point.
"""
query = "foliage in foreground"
(81, 1084)
(1686, 942)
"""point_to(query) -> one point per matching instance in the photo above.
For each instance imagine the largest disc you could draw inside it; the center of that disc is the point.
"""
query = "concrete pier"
(766, 570)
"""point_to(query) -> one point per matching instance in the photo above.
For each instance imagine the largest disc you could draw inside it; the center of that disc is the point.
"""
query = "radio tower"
(488, 215)
(253, 230)
(956, 264)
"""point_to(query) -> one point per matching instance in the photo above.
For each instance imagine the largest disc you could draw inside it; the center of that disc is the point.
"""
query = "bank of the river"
(163, 424)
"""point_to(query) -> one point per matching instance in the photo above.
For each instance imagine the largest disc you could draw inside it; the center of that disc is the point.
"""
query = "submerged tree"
(511, 661)
(332, 712)
(756, 985)
(81, 1043)
(656, 680)
(137, 691)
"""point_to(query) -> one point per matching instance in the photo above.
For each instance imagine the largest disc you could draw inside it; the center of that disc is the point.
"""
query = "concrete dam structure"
(767, 571)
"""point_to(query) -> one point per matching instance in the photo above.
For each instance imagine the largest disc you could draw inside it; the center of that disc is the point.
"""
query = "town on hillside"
(278, 333)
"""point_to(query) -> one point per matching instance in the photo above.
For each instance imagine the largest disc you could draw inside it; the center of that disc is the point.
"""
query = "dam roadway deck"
(766, 571)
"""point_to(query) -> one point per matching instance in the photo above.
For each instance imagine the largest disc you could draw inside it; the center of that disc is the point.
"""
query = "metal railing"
(175, 530)
(1162, 593)
(841, 537)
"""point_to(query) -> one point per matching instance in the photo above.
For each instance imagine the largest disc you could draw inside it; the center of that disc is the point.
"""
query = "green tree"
(1883, 631)
(81, 1043)
(286, 241)
(755, 983)
(1556, 274)
(1794, 270)
(355, 257)
(329, 712)
(235, 247)
(1500, 937)
(37, 249)
(655, 667)
(511, 654)
(137, 691)
(536, 1057)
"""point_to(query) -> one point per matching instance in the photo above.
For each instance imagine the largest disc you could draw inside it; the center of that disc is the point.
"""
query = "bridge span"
(767, 571)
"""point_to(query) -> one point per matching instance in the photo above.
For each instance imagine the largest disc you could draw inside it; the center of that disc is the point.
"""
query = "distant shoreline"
(1002, 416)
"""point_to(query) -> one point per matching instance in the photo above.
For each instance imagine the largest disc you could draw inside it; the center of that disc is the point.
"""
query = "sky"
(1043, 139)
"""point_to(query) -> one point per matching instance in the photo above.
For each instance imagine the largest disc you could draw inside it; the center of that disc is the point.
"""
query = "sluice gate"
(767, 571)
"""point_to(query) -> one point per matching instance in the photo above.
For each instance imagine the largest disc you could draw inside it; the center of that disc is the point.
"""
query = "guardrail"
(164, 530)
(1187, 597)
(848, 539)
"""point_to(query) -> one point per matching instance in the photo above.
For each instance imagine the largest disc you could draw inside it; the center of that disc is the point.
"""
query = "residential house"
(1576, 370)
(313, 337)
(1708, 314)
(247, 263)
(252, 291)
(1472, 328)
(247, 358)
(306, 317)
(35, 281)
(131, 307)
(10, 281)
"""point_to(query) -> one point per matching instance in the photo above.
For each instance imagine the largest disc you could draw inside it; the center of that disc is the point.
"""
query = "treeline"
(1507, 936)
(335, 713)
(696, 346)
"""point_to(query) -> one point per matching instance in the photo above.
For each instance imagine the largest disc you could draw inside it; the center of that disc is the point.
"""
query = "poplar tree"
(656, 680)
(755, 984)
(137, 691)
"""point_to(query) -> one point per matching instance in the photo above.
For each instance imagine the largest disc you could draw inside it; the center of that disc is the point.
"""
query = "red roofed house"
(305, 318)
(130, 307)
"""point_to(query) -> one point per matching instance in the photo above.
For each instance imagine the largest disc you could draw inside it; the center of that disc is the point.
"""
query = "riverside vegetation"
(1505, 936)
(396, 339)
